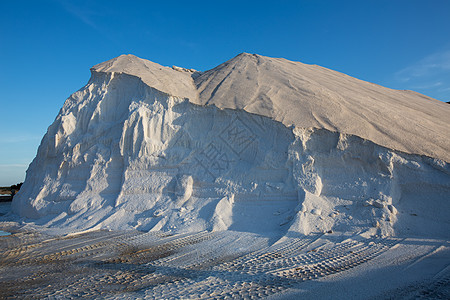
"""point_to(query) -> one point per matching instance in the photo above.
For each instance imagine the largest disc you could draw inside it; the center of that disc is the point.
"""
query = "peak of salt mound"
(164, 79)
(306, 96)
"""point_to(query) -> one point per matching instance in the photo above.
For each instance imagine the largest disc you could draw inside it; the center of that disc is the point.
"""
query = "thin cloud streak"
(88, 16)
(21, 139)
(430, 76)
(431, 65)
(14, 165)
(428, 85)
(79, 13)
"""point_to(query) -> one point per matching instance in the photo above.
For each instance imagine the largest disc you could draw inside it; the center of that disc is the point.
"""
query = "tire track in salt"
(154, 265)
(231, 281)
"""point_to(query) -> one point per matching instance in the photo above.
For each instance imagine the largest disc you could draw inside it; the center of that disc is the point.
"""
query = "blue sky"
(48, 46)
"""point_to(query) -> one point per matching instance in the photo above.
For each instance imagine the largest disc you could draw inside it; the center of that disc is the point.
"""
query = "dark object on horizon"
(16, 186)
(12, 190)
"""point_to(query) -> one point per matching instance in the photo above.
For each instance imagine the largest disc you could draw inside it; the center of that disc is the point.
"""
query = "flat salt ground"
(414, 268)
(216, 265)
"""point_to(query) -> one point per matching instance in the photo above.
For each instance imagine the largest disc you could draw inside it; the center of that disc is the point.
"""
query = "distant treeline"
(16, 186)
(10, 189)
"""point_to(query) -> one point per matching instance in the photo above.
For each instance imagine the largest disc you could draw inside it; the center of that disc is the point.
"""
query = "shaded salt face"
(136, 157)
(228, 168)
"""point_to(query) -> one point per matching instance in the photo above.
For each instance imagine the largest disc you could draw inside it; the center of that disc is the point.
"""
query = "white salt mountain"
(257, 144)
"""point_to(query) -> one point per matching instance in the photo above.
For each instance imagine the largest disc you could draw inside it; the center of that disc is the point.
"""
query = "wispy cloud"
(20, 139)
(92, 14)
(82, 13)
(430, 75)
(14, 165)
(431, 65)
(428, 85)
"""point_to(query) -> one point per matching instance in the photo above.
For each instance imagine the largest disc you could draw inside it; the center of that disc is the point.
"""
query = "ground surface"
(5, 198)
(219, 265)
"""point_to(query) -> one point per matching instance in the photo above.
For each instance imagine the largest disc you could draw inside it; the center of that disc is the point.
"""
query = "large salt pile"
(256, 144)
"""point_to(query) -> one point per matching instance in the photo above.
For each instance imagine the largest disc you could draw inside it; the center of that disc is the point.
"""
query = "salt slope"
(312, 96)
(305, 96)
(123, 153)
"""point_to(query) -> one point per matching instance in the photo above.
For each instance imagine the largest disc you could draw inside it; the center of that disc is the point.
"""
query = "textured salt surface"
(124, 153)
(220, 265)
